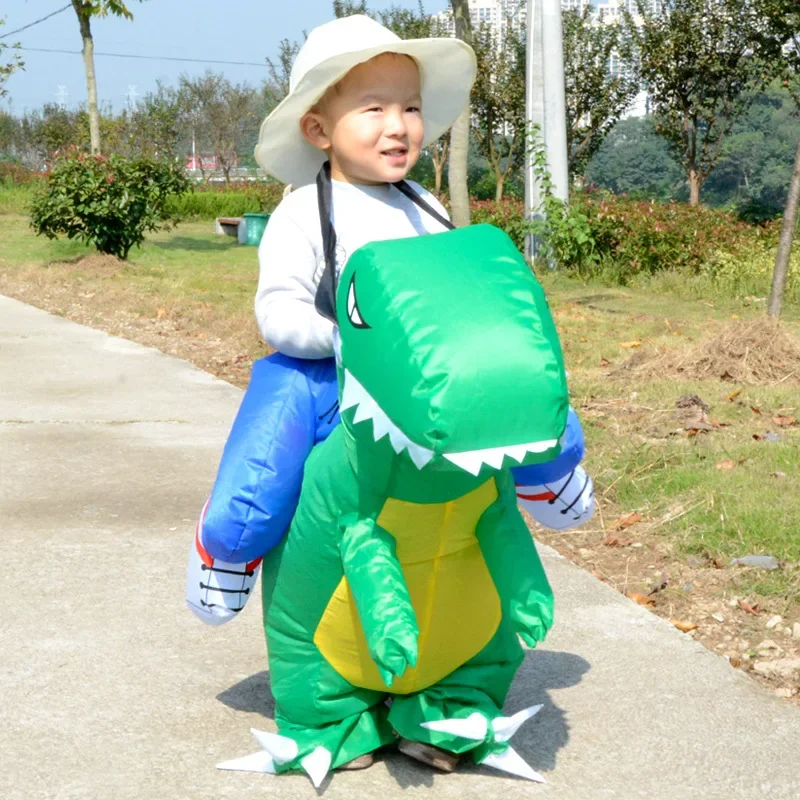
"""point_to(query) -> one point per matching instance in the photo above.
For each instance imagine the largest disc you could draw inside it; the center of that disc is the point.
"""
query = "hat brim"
(447, 71)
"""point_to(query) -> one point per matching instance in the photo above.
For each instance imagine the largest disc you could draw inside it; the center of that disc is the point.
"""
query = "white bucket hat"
(447, 70)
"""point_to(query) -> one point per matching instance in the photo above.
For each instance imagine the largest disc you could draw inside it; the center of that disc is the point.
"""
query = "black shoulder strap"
(415, 198)
(325, 300)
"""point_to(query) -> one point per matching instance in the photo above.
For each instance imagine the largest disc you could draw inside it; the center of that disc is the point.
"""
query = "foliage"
(634, 160)
(561, 228)
(507, 214)
(12, 174)
(748, 272)
(498, 101)
(702, 62)
(280, 72)
(8, 68)
(208, 201)
(643, 236)
(601, 80)
(107, 201)
(220, 112)
(755, 164)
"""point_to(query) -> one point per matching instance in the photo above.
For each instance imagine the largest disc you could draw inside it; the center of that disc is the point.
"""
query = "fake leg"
(463, 712)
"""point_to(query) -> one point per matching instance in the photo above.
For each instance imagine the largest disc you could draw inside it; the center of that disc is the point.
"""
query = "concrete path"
(112, 690)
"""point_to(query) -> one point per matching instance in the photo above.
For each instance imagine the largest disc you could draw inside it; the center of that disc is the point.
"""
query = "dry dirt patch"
(751, 353)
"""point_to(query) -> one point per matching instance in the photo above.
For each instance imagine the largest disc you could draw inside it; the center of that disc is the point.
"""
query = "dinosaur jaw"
(354, 395)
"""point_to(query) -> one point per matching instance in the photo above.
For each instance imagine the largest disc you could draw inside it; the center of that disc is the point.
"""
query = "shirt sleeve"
(284, 304)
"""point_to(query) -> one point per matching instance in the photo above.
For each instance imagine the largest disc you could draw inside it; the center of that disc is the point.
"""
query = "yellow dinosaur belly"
(453, 595)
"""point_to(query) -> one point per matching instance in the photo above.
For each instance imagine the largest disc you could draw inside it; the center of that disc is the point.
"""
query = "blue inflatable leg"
(289, 406)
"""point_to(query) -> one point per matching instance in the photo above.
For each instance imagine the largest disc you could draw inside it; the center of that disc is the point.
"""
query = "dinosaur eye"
(353, 314)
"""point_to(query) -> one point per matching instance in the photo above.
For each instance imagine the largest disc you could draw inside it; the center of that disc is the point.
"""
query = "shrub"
(209, 201)
(643, 236)
(507, 214)
(749, 272)
(107, 201)
(15, 174)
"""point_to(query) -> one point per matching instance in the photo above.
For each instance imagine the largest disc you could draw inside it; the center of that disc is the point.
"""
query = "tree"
(85, 11)
(633, 159)
(602, 79)
(498, 101)
(459, 133)
(7, 69)
(221, 111)
(276, 87)
(755, 166)
(785, 17)
(702, 61)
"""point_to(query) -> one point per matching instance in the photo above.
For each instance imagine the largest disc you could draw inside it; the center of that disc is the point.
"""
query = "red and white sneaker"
(565, 503)
(216, 591)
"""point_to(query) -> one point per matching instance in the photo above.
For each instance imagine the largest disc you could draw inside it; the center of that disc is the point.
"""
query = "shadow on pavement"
(538, 741)
(253, 694)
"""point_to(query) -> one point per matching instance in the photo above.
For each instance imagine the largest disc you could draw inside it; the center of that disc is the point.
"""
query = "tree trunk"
(694, 188)
(459, 135)
(498, 194)
(785, 246)
(438, 169)
(91, 80)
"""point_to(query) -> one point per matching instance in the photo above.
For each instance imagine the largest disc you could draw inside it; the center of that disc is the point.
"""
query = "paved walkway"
(112, 690)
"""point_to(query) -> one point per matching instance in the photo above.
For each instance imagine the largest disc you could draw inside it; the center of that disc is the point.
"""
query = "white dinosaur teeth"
(281, 748)
(510, 761)
(505, 727)
(367, 409)
(355, 395)
(256, 762)
(317, 764)
(472, 460)
(473, 727)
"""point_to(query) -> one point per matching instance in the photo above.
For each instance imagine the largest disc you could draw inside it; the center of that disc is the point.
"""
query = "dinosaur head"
(447, 350)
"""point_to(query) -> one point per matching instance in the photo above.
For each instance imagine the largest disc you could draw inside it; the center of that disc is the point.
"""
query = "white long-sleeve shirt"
(291, 261)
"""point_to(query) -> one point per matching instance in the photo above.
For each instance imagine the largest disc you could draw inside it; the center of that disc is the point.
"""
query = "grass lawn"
(675, 503)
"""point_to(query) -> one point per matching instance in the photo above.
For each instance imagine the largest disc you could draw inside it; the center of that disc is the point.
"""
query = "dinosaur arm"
(381, 595)
(515, 566)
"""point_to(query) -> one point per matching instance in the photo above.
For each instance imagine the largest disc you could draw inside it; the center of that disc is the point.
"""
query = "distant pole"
(545, 104)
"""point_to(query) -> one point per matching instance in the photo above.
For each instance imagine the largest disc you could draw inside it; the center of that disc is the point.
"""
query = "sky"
(242, 30)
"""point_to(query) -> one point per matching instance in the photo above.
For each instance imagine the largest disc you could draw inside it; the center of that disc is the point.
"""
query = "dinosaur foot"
(477, 728)
(278, 750)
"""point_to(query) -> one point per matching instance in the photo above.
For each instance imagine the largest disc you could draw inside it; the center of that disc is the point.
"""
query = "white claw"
(512, 762)
(256, 762)
(473, 727)
(317, 764)
(506, 727)
(281, 748)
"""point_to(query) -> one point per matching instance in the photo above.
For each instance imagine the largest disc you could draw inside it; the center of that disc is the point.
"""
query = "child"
(370, 125)
(363, 104)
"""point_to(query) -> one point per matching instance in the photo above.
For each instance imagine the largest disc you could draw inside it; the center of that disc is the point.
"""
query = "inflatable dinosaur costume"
(408, 572)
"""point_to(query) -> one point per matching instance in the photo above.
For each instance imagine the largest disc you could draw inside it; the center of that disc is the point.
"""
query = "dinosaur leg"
(463, 712)
(323, 721)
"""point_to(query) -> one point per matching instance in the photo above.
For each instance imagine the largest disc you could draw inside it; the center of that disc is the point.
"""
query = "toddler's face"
(370, 123)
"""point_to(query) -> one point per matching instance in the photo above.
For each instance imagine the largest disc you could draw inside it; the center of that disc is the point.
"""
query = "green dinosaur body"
(408, 571)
